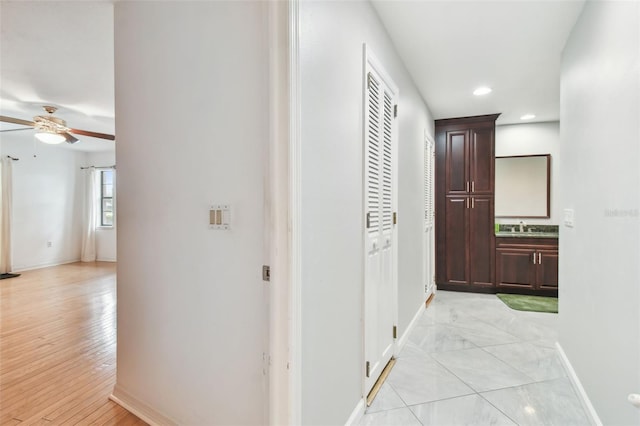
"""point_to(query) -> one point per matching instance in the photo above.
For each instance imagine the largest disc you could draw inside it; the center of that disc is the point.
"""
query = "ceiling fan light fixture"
(50, 138)
(480, 91)
(54, 130)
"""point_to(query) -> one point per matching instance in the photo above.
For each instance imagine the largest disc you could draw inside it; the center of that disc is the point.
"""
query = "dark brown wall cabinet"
(527, 266)
(465, 242)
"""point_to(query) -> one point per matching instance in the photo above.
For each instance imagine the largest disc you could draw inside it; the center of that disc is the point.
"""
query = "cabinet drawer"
(524, 242)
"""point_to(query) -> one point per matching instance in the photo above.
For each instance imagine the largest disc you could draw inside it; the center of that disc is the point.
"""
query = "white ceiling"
(61, 53)
(513, 46)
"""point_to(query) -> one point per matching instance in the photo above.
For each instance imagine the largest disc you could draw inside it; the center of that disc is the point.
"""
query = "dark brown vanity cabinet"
(469, 160)
(468, 249)
(527, 266)
(547, 270)
(465, 241)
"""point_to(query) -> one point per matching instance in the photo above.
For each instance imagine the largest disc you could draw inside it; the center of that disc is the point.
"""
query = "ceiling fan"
(53, 130)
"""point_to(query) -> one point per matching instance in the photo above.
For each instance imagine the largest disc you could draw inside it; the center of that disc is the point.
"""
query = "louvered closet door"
(429, 231)
(379, 194)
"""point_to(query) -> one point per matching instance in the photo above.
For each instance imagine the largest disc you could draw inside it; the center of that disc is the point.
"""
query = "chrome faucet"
(522, 225)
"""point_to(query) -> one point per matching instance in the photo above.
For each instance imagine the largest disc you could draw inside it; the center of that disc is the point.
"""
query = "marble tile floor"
(471, 360)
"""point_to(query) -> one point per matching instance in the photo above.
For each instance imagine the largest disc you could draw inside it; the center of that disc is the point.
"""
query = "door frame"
(283, 361)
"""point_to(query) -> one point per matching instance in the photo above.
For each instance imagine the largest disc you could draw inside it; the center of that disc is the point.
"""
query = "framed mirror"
(523, 186)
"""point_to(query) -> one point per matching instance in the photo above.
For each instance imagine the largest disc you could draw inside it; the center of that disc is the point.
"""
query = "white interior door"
(380, 239)
(429, 216)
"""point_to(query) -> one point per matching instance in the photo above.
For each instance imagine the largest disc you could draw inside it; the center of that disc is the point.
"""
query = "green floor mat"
(521, 302)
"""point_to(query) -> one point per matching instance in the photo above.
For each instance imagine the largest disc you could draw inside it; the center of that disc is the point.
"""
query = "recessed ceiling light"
(482, 91)
(527, 117)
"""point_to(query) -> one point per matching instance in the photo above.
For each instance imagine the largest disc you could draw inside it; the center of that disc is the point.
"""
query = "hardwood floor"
(58, 347)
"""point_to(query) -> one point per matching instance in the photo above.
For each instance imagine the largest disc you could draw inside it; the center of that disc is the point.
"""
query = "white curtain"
(5, 215)
(89, 219)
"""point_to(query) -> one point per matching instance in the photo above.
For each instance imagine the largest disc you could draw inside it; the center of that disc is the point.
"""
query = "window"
(106, 197)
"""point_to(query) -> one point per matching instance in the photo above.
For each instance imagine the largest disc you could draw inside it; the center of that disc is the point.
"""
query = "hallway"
(472, 360)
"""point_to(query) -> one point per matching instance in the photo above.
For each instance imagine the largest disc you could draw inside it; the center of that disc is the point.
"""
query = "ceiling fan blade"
(69, 138)
(15, 130)
(16, 121)
(92, 134)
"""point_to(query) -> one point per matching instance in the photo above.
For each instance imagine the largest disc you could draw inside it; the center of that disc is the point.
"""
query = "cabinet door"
(481, 241)
(547, 269)
(457, 157)
(515, 268)
(481, 161)
(456, 254)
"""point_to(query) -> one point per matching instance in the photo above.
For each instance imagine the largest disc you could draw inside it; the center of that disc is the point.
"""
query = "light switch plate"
(220, 217)
(569, 218)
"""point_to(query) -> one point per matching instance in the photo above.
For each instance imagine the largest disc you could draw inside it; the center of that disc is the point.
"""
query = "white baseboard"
(25, 268)
(357, 414)
(106, 259)
(577, 385)
(140, 409)
(403, 339)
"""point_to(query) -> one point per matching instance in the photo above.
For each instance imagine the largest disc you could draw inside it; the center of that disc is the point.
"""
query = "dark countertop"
(509, 234)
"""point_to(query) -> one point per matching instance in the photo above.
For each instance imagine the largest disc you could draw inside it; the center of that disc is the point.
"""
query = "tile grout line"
(454, 374)
(479, 319)
(533, 381)
(499, 410)
(403, 401)
(396, 392)
(520, 370)
(414, 415)
(509, 365)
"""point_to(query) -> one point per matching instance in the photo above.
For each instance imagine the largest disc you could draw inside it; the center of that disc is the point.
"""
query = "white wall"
(47, 200)
(600, 180)
(105, 236)
(531, 139)
(331, 54)
(192, 125)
